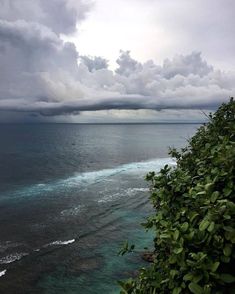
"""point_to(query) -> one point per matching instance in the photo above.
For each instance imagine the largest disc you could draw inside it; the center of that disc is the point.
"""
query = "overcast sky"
(115, 61)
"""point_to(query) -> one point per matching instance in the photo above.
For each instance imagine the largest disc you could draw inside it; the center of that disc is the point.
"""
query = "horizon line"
(101, 123)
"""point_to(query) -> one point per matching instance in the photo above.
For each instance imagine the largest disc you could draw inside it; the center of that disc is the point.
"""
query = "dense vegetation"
(194, 220)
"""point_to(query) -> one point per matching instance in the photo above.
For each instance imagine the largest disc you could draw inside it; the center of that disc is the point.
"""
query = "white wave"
(123, 193)
(2, 273)
(110, 197)
(59, 242)
(12, 257)
(134, 190)
(134, 167)
(88, 178)
(73, 211)
(93, 177)
(41, 185)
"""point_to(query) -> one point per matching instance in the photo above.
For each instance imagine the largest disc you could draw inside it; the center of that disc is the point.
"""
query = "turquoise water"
(70, 195)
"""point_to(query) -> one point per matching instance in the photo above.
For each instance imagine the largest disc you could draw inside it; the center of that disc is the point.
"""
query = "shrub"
(194, 220)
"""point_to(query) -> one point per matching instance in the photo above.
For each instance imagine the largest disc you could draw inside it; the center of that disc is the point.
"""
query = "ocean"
(70, 196)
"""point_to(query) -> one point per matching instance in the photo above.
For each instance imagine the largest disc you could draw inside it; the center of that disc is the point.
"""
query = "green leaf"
(177, 290)
(197, 278)
(173, 273)
(227, 191)
(184, 227)
(211, 227)
(227, 278)
(176, 235)
(201, 193)
(165, 236)
(204, 224)
(208, 187)
(214, 196)
(188, 277)
(190, 235)
(225, 259)
(178, 250)
(215, 266)
(207, 289)
(193, 215)
(195, 288)
(229, 229)
(227, 250)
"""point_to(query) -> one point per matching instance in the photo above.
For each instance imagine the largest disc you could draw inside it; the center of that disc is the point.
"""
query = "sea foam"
(134, 167)
(2, 273)
(122, 193)
(12, 257)
(88, 178)
(59, 242)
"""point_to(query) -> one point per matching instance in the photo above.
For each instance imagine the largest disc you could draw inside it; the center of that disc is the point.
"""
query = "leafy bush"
(194, 220)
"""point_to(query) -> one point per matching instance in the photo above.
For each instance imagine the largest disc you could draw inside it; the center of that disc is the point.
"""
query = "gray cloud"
(40, 74)
(186, 65)
(33, 59)
(61, 16)
(127, 65)
(94, 63)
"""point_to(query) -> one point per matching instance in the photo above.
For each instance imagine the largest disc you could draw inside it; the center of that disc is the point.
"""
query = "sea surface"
(70, 195)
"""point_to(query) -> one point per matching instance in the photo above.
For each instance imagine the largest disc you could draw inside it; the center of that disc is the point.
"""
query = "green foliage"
(126, 248)
(194, 220)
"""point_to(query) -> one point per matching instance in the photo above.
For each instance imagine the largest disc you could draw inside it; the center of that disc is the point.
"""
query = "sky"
(115, 61)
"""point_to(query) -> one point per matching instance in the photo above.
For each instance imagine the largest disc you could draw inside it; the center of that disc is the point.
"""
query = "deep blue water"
(70, 195)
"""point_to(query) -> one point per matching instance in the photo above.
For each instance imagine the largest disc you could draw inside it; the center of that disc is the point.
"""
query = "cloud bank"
(43, 75)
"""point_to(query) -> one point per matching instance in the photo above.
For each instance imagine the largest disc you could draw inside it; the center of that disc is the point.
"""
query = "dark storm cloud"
(40, 74)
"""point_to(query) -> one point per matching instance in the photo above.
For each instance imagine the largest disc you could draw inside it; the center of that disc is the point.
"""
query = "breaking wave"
(59, 242)
(2, 273)
(89, 178)
(12, 257)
